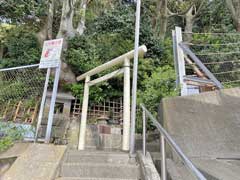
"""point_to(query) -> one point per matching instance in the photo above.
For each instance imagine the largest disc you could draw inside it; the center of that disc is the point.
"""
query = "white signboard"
(51, 53)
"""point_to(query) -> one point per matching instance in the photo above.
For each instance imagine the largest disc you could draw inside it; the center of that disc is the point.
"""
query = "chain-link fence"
(20, 92)
(219, 52)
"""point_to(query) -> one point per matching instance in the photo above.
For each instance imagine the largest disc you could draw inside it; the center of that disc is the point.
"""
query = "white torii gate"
(125, 59)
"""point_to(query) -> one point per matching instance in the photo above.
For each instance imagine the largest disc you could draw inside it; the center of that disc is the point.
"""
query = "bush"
(9, 133)
(21, 48)
(160, 84)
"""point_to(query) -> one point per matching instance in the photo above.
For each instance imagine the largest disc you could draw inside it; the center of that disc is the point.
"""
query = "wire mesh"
(219, 52)
(20, 89)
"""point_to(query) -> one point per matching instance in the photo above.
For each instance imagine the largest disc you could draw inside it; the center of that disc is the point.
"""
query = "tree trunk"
(67, 76)
(42, 34)
(66, 25)
(81, 25)
(65, 31)
(189, 20)
(1, 51)
(47, 25)
(238, 26)
(234, 7)
(162, 19)
(50, 18)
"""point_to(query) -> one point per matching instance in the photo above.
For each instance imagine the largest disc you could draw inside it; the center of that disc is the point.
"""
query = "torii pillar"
(126, 106)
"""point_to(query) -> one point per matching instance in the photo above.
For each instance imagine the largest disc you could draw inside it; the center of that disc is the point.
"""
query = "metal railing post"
(180, 61)
(163, 160)
(144, 132)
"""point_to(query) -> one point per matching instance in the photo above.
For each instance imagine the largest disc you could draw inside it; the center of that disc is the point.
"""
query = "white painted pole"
(180, 61)
(126, 106)
(175, 57)
(81, 144)
(42, 103)
(135, 73)
(52, 105)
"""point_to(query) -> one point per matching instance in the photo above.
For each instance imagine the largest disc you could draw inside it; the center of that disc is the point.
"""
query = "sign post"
(50, 58)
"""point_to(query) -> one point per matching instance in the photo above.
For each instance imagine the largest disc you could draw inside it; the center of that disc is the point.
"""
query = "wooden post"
(17, 110)
(83, 125)
(6, 110)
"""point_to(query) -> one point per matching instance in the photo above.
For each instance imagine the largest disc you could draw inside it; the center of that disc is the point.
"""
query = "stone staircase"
(98, 165)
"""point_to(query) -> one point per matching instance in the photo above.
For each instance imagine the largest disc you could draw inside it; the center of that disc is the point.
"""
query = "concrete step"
(94, 152)
(88, 157)
(92, 142)
(100, 170)
(78, 178)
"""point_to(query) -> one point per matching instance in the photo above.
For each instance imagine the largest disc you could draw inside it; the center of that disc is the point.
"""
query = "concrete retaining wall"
(205, 125)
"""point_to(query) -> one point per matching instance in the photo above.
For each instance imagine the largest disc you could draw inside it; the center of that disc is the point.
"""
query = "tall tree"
(67, 30)
(188, 9)
(234, 7)
(70, 8)
(162, 18)
(191, 15)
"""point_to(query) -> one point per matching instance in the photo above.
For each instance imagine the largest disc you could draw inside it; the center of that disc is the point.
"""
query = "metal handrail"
(165, 136)
(19, 67)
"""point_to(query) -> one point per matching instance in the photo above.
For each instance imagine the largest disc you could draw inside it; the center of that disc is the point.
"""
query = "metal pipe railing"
(19, 67)
(166, 137)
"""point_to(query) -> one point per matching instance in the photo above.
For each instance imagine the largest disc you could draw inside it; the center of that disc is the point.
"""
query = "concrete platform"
(207, 128)
(205, 125)
(38, 162)
(16, 150)
(218, 169)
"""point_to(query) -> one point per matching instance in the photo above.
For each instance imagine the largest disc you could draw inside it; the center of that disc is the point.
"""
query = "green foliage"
(82, 56)
(215, 17)
(5, 143)
(160, 84)
(118, 20)
(24, 11)
(9, 133)
(21, 48)
(111, 35)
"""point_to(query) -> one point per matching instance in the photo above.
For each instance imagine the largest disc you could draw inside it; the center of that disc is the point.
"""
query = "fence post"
(83, 125)
(180, 61)
(42, 104)
(52, 105)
